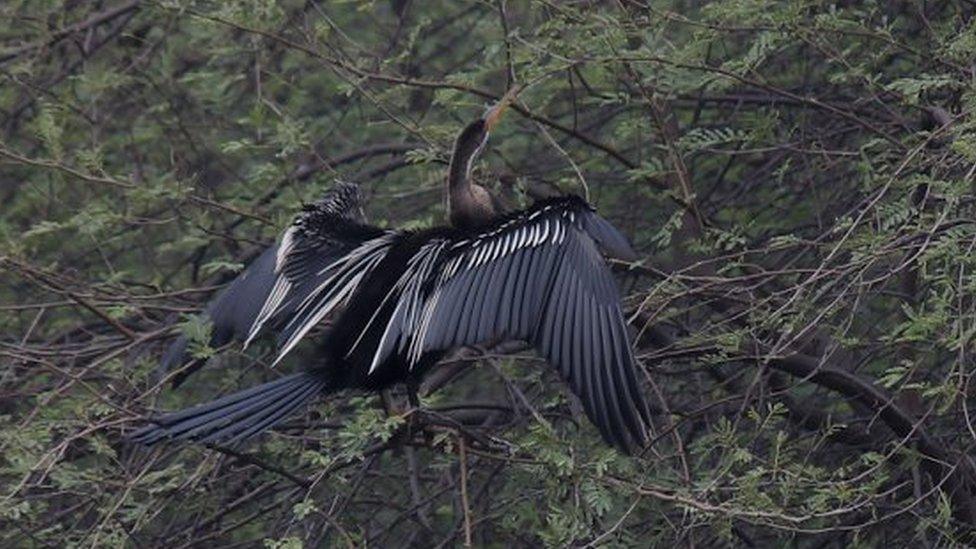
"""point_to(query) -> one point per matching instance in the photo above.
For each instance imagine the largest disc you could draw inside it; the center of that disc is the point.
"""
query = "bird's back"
(352, 342)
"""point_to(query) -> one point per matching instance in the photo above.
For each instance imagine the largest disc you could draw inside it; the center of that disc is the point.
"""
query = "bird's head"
(472, 139)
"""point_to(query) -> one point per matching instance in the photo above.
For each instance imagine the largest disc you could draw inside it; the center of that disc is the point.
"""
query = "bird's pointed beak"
(495, 113)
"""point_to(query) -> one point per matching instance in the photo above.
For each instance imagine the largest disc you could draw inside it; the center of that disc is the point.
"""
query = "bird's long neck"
(469, 205)
(458, 176)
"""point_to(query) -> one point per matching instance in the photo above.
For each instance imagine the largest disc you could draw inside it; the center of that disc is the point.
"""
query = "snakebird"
(400, 299)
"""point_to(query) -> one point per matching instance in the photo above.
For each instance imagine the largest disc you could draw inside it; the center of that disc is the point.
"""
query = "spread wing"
(320, 263)
(537, 276)
(236, 309)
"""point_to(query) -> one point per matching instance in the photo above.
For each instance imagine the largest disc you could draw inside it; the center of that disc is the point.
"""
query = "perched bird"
(400, 299)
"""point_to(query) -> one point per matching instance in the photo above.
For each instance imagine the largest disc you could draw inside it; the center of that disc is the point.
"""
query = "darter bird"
(399, 300)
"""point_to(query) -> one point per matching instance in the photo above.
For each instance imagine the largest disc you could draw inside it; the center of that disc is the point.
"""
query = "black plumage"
(400, 299)
(232, 313)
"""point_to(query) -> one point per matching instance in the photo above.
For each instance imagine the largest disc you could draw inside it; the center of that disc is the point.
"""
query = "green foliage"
(796, 176)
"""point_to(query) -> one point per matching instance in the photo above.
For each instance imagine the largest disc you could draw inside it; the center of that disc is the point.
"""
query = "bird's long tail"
(238, 416)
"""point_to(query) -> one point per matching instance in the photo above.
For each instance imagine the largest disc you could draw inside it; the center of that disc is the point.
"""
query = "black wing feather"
(321, 260)
(233, 312)
(536, 275)
(230, 314)
(506, 305)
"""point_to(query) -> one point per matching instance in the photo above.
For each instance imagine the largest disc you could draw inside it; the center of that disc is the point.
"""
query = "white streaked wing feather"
(287, 243)
(415, 310)
(343, 277)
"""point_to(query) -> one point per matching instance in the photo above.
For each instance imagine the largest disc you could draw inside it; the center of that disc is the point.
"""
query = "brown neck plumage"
(469, 205)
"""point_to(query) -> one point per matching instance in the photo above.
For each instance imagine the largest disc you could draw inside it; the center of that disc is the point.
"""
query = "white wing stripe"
(278, 293)
(408, 327)
(343, 277)
(315, 319)
(287, 242)
(409, 303)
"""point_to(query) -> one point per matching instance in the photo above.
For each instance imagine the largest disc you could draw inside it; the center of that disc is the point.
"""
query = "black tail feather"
(253, 424)
(238, 416)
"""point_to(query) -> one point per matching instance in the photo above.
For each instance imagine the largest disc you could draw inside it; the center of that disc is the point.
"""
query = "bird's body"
(400, 299)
